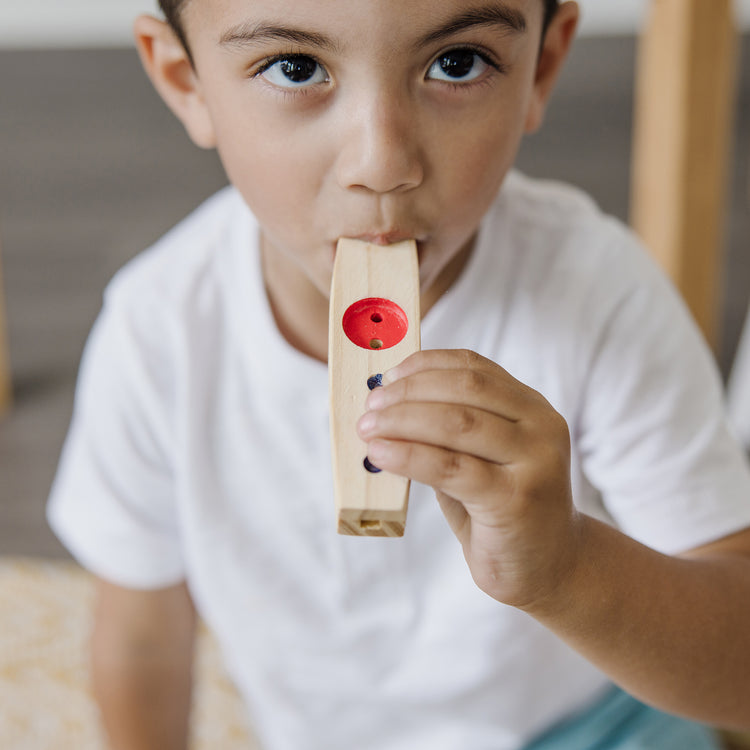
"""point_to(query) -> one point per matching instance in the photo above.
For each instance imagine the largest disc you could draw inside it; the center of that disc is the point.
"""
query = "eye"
(293, 72)
(458, 66)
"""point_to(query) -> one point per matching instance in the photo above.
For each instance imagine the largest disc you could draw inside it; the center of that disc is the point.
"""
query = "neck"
(299, 308)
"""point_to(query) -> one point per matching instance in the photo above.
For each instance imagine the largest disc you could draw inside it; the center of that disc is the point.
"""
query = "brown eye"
(294, 71)
(458, 66)
(298, 69)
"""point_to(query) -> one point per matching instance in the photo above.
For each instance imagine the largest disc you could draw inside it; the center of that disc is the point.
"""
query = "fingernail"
(377, 450)
(376, 399)
(366, 424)
(389, 376)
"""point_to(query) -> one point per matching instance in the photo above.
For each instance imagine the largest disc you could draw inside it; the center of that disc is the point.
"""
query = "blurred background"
(93, 169)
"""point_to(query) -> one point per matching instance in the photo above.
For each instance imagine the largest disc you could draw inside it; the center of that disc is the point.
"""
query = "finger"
(455, 427)
(467, 376)
(465, 478)
(436, 359)
(495, 392)
(454, 513)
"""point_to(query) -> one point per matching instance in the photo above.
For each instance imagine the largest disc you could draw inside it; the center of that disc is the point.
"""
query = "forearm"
(674, 632)
(144, 703)
(142, 678)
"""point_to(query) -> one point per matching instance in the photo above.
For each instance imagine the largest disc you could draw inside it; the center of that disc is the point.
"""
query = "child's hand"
(497, 455)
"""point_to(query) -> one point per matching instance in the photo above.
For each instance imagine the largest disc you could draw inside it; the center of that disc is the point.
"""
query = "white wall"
(72, 23)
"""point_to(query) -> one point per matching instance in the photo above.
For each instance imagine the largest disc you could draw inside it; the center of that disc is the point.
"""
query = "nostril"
(382, 157)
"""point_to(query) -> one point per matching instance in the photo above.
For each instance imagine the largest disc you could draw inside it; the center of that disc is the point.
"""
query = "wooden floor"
(93, 169)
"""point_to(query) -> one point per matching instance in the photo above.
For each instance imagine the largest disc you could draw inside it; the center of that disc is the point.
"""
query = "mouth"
(385, 238)
(391, 237)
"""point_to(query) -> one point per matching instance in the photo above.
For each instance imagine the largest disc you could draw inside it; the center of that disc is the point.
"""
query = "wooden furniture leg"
(683, 113)
(739, 385)
(5, 376)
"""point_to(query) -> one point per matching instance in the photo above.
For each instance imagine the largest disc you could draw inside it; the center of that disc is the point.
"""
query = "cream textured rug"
(45, 702)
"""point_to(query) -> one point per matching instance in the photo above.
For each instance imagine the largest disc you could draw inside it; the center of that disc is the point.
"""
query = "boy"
(564, 413)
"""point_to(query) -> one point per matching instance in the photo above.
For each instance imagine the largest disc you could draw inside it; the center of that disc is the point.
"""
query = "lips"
(384, 238)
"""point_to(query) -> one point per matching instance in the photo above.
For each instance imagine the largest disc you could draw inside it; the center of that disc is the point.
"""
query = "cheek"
(281, 187)
(471, 169)
(475, 150)
(477, 169)
(276, 183)
(495, 145)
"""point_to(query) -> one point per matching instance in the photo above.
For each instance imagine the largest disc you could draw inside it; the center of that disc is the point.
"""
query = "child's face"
(375, 119)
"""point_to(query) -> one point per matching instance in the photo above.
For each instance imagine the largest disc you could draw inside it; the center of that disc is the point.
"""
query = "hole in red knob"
(375, 323)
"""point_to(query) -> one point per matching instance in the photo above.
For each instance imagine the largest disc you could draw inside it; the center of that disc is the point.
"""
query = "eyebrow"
(247, 33)
(496, 14)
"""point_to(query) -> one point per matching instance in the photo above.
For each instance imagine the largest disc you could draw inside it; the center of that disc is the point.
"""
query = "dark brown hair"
(173, 8)
(550, 8)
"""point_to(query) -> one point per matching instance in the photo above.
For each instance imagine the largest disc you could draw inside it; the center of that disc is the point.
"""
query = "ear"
(171, 71)
(555, 46)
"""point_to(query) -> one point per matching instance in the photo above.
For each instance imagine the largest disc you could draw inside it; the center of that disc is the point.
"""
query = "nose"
(379, 145)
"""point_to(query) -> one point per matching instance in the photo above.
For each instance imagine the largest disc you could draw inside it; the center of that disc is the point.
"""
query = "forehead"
(339, 20)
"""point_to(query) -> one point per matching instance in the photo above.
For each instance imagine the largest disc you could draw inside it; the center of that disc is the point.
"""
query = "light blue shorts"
(620, 722)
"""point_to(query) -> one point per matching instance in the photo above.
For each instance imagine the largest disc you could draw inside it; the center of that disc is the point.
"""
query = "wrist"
(567, 572)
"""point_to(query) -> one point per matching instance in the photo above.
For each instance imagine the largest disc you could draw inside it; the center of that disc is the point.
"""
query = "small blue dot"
(376, 381)
(371, 467)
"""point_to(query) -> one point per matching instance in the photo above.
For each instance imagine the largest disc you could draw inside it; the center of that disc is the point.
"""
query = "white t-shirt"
(199, 449)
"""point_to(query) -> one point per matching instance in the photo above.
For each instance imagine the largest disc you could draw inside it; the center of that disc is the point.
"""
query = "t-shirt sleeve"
(113, 499)
(653, 434)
